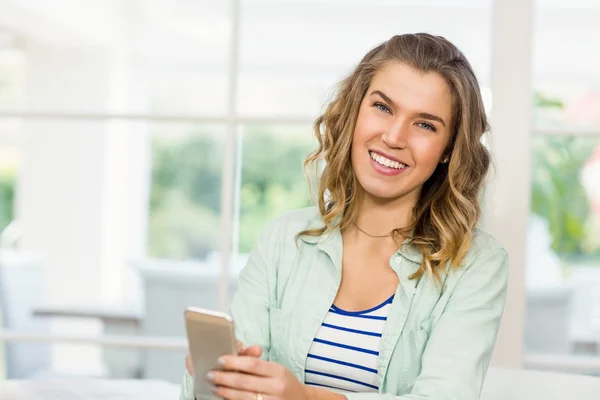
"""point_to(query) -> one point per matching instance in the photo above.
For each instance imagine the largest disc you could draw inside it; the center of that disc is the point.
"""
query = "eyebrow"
(421, 114)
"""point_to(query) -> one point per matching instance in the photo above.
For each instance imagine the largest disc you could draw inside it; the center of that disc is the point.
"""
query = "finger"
(234, 394)
(243, 382)
(252, 351)
(240, 347)
(249, 365)
(188, 364)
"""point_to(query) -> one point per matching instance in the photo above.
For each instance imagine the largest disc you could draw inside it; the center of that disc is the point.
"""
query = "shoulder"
(484, 245)
(278, 240)
(486, 257)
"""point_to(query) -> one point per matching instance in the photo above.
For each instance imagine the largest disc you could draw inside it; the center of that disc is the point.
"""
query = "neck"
(379, 217)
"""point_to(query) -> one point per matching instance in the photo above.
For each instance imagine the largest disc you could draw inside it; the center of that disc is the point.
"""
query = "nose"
(397, 135)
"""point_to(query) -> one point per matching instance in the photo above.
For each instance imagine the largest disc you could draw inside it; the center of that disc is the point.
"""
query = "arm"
(460, 347)
(250, 305)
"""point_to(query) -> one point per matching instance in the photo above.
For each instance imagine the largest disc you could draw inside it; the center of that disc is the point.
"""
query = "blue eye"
(427, 126)
(382, 107)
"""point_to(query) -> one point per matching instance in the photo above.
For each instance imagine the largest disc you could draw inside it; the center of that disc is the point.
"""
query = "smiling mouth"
(386, 162)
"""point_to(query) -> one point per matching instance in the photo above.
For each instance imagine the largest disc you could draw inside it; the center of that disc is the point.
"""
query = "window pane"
(563, 269)
(10, 154)
(146, 56)
(317, 43)
(185, 192)
(118, 230)
(563, 248)
(12, 75)
(272, 176)
(12, 90)
(565, 71)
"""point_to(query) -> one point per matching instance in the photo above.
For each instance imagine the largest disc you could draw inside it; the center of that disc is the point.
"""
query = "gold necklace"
(368, 234)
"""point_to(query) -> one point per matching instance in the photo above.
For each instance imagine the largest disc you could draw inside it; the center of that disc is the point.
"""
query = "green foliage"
(191, 166)
(181, 229)
(7, 195)
(542, 101)
(272, 179)
(557, 192)
(186, 185)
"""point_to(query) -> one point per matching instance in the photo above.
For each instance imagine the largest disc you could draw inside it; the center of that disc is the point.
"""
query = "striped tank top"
(345, 352)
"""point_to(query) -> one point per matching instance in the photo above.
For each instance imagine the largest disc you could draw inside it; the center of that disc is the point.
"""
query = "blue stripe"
(308, 371)
(330, 387)
(343, 346)
(347, 364)
(341, 328)
(341, 312)
(377, 307)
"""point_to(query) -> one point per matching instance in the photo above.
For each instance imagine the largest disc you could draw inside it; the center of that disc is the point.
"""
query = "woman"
(387, 288)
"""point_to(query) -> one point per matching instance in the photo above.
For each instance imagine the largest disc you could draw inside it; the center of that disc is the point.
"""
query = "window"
(11, 96)
(272, 177)
(185, 197)
(563, 268)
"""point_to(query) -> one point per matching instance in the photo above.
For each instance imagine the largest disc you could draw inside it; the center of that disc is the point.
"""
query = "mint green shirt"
(436, 345)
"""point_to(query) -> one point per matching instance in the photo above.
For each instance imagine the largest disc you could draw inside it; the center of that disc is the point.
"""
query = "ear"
(446, 156)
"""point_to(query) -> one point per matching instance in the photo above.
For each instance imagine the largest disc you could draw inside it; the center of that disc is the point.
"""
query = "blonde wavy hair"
(448, 209)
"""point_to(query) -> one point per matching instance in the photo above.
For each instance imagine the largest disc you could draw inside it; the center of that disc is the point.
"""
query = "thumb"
(252, 351)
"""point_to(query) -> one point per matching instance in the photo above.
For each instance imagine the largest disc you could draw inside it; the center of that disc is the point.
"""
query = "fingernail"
(221, 361)
(210, 376)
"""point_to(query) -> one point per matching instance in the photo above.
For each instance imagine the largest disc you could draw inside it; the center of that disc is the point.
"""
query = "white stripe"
(342, 370)
(349, 356)
(349, 339)
(323, 380)
(361, 324)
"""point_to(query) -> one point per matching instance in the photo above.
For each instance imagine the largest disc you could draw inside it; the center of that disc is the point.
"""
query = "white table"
(500, 384)
(88, 390)
(516, 384)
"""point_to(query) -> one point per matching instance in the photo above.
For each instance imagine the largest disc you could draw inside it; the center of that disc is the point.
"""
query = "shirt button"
(398, 259)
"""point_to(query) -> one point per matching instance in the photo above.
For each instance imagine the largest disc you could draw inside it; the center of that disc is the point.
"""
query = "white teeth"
(386, 161)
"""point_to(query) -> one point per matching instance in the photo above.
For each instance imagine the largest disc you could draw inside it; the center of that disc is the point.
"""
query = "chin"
(381, 192)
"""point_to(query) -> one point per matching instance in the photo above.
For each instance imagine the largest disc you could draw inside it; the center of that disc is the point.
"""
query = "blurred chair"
(585, 318)
(169, 287)
(548, 317)
(520, 384)
(21, 289)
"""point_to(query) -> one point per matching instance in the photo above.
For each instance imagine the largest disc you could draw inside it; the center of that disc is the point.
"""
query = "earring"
(445, 160)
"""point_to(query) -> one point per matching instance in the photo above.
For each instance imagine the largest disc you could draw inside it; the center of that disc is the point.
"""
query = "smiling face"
(402, 131)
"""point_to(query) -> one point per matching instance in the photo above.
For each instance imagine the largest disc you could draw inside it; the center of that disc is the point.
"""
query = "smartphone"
(210, 335)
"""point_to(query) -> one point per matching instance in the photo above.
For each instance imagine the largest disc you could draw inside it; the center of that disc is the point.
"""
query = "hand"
(243, 377)
(252, 351)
